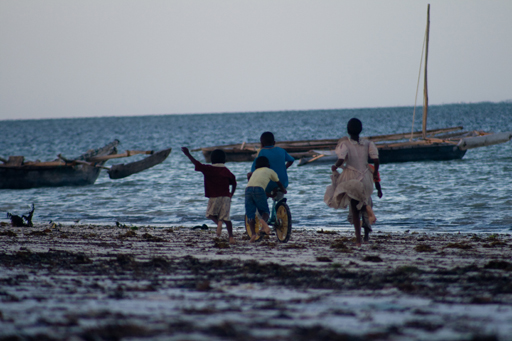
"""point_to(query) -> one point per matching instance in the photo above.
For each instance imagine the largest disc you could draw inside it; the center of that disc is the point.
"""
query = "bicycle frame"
(280, 219)
(273, 212)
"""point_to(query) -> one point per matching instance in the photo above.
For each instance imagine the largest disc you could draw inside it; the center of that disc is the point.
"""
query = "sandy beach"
(85, 282)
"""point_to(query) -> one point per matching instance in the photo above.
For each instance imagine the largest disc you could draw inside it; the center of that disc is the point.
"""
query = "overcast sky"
(121, 57)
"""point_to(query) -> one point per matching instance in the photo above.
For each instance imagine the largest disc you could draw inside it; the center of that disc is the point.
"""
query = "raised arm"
(190, 157)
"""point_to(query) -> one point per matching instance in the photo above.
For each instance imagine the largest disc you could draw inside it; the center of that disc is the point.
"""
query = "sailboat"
(438, 145)
(425, 145)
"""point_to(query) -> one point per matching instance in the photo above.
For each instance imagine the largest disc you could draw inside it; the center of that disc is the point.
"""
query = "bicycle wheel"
(257, 228)
(283, 224)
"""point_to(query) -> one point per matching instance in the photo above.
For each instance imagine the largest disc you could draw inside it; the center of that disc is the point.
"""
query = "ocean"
(469, 195)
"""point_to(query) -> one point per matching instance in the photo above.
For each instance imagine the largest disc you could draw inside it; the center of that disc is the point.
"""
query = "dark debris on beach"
(115, 264)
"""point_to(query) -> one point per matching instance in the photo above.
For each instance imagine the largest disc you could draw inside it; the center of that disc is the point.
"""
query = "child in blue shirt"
(279, 161)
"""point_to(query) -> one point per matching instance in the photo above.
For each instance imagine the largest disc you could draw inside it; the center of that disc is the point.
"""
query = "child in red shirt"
(217, 179)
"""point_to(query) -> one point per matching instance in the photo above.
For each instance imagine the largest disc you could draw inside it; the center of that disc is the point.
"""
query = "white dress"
(356, 179)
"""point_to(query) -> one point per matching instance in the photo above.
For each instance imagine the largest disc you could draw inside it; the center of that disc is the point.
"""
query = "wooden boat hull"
(485, 140)
(433, 152)
(388, 155)
(299, 148)
(123, 170)
(82, 171)
(232, 155)
(24, 177)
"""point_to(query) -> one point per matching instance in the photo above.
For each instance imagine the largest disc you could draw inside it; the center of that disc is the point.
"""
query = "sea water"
(469, 195)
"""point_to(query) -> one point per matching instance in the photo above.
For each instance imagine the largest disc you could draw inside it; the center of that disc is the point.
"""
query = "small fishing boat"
(425, 145)
(247, 151)
(439, 145)
(16, 173)
(448, 148)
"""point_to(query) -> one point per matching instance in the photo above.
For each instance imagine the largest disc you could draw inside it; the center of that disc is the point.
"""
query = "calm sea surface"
(469, 195)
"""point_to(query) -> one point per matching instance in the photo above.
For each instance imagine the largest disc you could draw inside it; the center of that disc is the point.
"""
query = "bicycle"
(280, 219)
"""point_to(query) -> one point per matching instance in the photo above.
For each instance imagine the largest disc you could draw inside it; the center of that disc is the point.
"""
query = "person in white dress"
(354, 186)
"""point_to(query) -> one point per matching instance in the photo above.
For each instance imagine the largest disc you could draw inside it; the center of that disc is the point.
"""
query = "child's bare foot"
(253, 238)
(232, 240)
(358, 240)
(265, 228)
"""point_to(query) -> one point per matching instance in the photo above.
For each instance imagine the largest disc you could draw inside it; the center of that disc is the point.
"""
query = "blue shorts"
(255, 199)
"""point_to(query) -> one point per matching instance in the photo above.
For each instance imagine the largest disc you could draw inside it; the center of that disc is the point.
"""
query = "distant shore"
(80, 272)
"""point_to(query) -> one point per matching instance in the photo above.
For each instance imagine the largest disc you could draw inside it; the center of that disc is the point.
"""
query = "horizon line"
(251, 112)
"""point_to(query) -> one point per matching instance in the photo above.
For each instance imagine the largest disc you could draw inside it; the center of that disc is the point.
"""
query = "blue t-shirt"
(277, 157)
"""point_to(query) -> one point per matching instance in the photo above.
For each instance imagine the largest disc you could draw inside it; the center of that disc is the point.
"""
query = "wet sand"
(85, 282)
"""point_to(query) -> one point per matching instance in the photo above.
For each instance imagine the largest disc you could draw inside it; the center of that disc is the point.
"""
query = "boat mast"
(425, 88)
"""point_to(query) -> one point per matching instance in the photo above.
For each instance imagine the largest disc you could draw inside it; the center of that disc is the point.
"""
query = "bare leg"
(366, 237)
(357, 221)
(371, 216)
(218, 222)
(366, 226)
(229, 227)
(219, 228)
(252, 225)
(367, 221)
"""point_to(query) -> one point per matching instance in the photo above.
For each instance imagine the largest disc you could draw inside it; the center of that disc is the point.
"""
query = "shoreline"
(178, 282)
(346, 227)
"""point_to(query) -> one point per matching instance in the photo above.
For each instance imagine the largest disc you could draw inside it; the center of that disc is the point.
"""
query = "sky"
(62, 58)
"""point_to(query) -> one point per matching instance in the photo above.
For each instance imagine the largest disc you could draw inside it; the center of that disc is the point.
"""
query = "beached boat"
(16, 173)
(425, 145)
